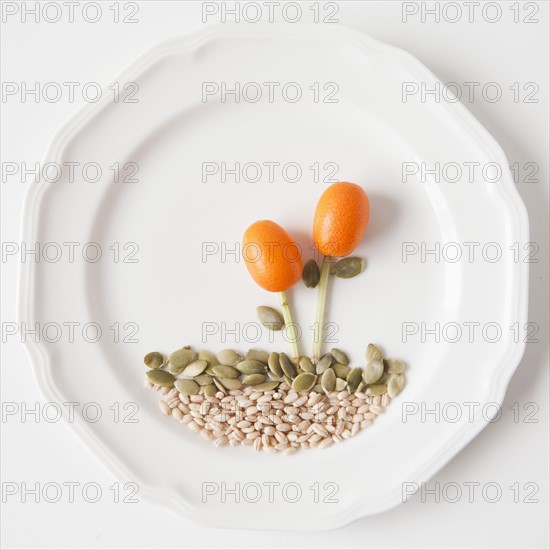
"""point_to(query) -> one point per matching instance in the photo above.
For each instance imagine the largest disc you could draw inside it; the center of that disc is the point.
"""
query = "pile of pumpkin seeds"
(196, 372)
(202, 376)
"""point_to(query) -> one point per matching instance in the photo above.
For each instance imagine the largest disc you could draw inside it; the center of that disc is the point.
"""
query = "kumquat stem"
(320, 315)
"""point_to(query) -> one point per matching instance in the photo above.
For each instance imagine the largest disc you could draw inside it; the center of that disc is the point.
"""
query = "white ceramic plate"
(172, 289)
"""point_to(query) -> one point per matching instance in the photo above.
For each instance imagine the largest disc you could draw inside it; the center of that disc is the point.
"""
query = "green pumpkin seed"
(220, 386)
(270, 318)
(288, 380)
(362, 386)
(311, 274)
(340, 384)
(203, 380)
(224, 371)
(304, 381)
(373, 371)
(257, 355)
(161, 378)
(340, 356)
(231, 383)
(251, 366)
(306, 365)
(210, 358)
(347, 268)
(254, 379)
(187, 387)
(376, 389)
(354, 379)
(383, 379)
(323, 364)
(395, 385)
(340, 370)
(195, 368)
(229, 357)
(274, 365)
(182, 357)
(328, 380)
(373, 353)
(318, 388)
(154, 360)
(287, 366)
(394, 366)
(266, 386)
(211, 390)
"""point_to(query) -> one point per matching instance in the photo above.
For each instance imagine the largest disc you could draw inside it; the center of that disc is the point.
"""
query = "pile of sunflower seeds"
(270, 401)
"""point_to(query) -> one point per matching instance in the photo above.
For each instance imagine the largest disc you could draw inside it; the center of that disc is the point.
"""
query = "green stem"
(320, 315)
(291, 327)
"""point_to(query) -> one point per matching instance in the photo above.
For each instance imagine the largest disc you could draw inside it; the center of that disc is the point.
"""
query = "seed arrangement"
(273, 401)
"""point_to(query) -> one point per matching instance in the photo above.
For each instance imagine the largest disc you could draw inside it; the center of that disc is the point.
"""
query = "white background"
(506, 452)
